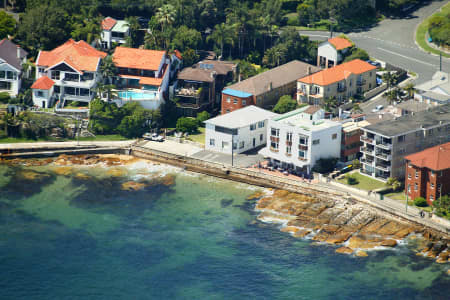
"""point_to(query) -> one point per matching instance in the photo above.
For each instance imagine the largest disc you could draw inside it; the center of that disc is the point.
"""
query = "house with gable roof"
(332, 52)
(143, 76)
(11, 59)
(69, 72)
(341, 82)
(113, 31)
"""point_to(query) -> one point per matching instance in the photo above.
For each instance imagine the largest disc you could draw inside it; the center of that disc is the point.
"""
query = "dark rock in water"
(438, 248)
(226, 202)
(207, 212)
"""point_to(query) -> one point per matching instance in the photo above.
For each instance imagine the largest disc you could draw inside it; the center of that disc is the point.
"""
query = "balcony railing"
(367, 161)
(302, 158)
(361, 82)
(302, 147)
(366, 139)
(367, 150)
(274, 149)
(275, 139)
(383, 156)
(341, 89)
(385, 146)
(183, 92)
(288, 143)
(386, 168)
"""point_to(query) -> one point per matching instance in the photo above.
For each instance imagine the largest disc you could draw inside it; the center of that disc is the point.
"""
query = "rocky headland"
(353, 227)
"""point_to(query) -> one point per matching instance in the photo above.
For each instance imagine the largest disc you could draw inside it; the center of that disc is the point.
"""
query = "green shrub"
(325, 165)
(352, 180)
(4, 97)
(201, 117)
(420, 202)
(189, 125)
(285, 104)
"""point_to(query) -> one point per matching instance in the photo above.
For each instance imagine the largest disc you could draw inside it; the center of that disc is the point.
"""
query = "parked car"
(153, 137)
(377, 108)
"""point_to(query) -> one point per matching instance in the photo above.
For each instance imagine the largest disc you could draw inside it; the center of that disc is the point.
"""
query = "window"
(212, 142)
(41, 70)
(253, 127)
(431, 198)
(370, 74)
(228, 99)
(241, 145)
(274, 132)
(288, 150)
(409, 188)
(55, 75)
(234, 145)
(235, 101)
(301, 154)
(261, 137)
(40, 93)
(417, 133)
(416, 186)
(289, 136)
(316, 142)
(274, 145)
(401, 150)
(244, 102)
(430, 132)
(439, 187)
(417, 174)
(2, 74)
(303, 140)
(9, 75)
(401, 138)
(409, 176)
(334, 136)
(228, 110)
(433, 173)
(370, 85)
(260, 124)
(432, 186)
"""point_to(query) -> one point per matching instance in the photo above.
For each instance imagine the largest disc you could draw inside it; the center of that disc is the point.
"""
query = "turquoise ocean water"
(68, 237)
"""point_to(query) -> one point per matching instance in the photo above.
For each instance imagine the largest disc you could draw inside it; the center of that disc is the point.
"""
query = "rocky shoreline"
(354, 227)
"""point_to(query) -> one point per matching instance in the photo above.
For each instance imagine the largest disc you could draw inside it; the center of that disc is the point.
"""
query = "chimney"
(18, 51)
(309, 70)
(270, 86)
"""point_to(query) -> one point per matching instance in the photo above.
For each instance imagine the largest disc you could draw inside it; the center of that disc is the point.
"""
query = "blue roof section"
(236, 93)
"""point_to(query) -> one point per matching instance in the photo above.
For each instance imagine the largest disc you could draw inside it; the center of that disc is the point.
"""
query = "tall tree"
(165, 16)
(7, 25)
(108, 68)
(133, 38)
(222, 34)
(410, 89)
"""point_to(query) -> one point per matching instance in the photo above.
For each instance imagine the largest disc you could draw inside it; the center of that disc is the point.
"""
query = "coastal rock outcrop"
(342, 222)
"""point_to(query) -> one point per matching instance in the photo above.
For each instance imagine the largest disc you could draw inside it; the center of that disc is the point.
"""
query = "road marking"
(407, 57)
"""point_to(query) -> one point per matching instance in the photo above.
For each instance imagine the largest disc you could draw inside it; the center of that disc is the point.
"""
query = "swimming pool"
(131, 95)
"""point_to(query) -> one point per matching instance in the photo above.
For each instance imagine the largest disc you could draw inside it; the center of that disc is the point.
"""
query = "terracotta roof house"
(113, 32)
(11, 59)
(331, 52)
(428, 173)
(264, 89)
(198, 87)
(143, 76)
(74, 69)
(342, 82)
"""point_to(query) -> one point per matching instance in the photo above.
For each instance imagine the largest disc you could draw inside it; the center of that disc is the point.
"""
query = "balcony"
(384, 156)
(302, 158)
(361, 82)
(274, 149)
(288, 143)
(366, 139)
(383, 167)
(367, 161)
(366, 172)
(367, 150)
(274, 139)
(341, 89)
(188, 92)
(302, 147)
(382, 145)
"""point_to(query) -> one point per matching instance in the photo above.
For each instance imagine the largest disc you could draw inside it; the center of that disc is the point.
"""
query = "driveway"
(393, 41)
(240, 160)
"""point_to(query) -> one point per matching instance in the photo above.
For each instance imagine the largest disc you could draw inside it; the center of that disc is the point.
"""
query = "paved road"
(392, 40)
(240, 160)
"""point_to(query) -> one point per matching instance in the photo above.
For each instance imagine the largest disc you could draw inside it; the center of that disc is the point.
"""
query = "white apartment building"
(296, 142)
(245, 129)
(114, 31)
(331, 52)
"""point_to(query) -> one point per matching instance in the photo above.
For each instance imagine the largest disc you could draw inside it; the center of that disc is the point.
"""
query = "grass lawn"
(422, 30)
(199, 137)
(10, 140)
(364, 182)
(106, 137)
(402, 197)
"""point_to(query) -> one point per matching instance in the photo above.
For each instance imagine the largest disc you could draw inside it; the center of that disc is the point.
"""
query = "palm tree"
(165, 16)
(108, 68)
(409, 88)
(356, 108)
(109, 89)
(275, 55)
(390, 78)
(330, 103)
(221, 35)
(392, 95)
(134, 27)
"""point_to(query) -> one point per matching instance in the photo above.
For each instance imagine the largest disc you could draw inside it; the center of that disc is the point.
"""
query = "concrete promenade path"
(62, 145)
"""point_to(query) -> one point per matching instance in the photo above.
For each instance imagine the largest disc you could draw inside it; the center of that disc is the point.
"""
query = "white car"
(377, 108)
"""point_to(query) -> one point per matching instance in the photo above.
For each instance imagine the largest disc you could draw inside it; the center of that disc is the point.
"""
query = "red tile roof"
(340, 43)
(138, 58)
(79, 55)
(43, 83)
(108, 23)
(338, 73)
(435, 158)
